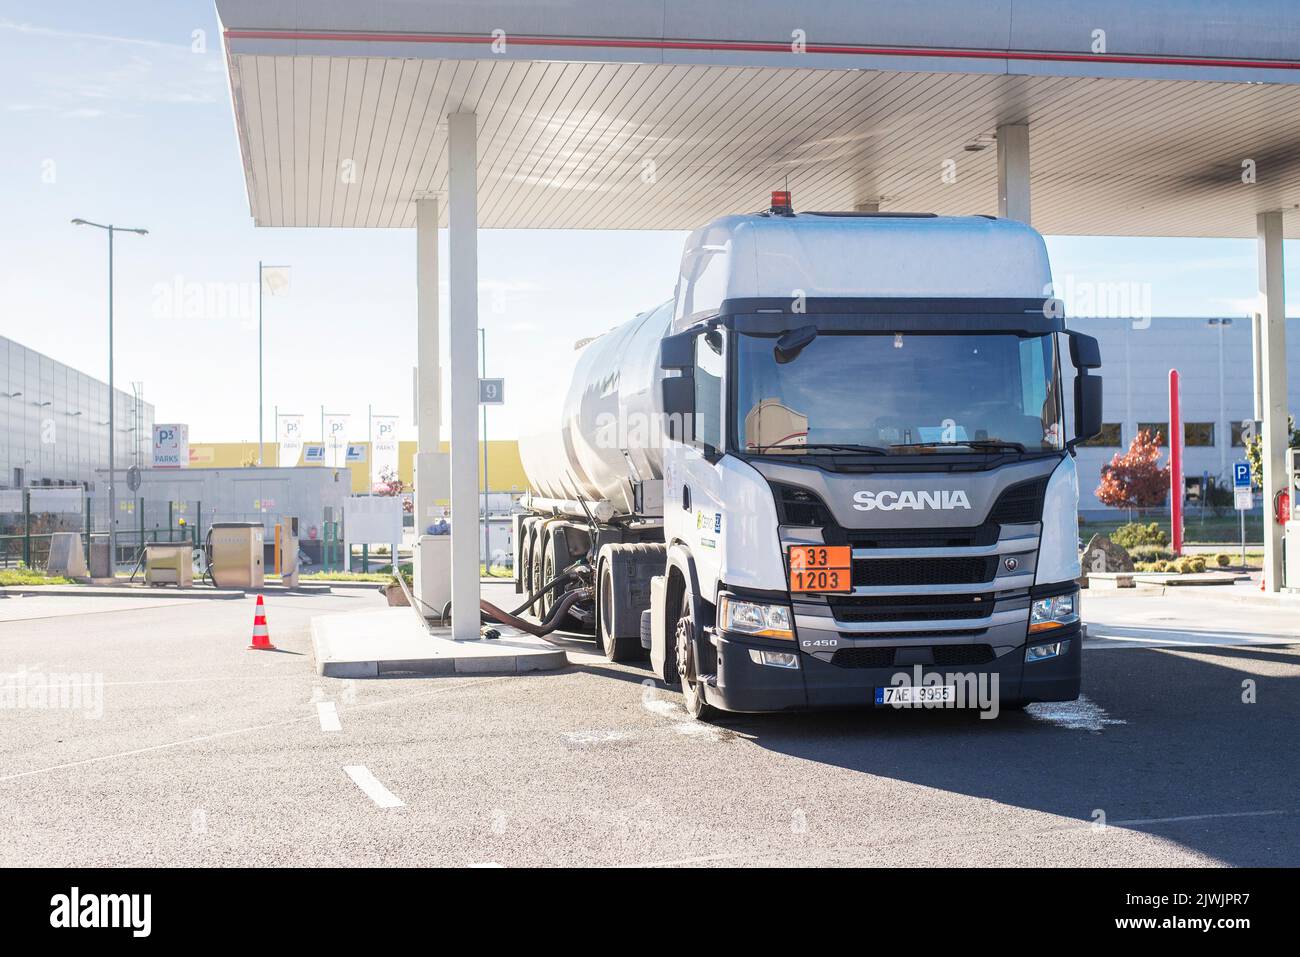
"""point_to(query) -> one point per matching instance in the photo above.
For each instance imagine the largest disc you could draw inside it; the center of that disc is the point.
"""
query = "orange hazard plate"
(821, 568)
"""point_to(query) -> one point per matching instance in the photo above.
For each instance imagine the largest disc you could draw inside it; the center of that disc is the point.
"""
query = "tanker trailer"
(832, 471)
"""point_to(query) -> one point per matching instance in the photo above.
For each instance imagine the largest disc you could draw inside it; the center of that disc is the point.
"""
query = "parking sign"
(1243, 498)
(491, 391)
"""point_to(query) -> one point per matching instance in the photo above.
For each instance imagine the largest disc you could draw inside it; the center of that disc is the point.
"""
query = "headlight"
(1054, 612)
(754, 618)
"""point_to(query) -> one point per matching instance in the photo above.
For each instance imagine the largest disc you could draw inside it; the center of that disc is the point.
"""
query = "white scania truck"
(837, 454)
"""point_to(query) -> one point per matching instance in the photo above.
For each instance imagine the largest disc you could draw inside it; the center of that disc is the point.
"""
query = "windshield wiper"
(995, 445)
(829, 447)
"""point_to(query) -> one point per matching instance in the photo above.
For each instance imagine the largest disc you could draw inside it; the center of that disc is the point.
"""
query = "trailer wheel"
(525, 545)
(535, 553)
(692, 685)
(553, 563)
(615, 649)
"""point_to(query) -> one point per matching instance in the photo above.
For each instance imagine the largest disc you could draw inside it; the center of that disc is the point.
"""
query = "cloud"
(33, 30)
(122, 71)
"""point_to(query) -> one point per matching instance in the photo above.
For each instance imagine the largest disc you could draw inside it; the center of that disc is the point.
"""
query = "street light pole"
(112, 421)
(261, 268)
(259, 362)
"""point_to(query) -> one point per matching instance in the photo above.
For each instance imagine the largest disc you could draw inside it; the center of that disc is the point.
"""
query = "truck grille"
(920, 537)
(924, 571)
(910, 607)
(944, 655)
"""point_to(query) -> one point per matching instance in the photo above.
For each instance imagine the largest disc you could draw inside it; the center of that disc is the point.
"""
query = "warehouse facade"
(54, 422)
(1213, 358)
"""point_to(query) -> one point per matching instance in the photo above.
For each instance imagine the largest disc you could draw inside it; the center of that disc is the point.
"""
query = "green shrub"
(1223, 559)
(1134, 534)
(1160, 566)
(1197, 563)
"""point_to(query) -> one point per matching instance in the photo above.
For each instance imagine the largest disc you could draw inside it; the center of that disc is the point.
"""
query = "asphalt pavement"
(185, 748)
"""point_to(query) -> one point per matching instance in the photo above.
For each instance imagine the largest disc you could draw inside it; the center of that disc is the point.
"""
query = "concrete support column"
(1013, 172)
(428, 354)
(431, 576)
(1273, 373)
(462, 131)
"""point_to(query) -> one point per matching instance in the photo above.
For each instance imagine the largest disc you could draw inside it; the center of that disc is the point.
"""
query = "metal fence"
(30, 517)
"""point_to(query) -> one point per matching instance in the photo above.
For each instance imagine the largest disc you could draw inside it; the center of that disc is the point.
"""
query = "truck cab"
(867, 475)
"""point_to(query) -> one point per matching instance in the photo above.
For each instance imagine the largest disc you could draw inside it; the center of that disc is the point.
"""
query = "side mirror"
(1084, 351)
(679, 406)
(1087, 406)
(1085, 354)
(678, 351)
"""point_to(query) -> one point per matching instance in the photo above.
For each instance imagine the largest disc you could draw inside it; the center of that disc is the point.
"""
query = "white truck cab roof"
(858, 255)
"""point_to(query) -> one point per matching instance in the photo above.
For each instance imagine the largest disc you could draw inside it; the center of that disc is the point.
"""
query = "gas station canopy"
(1144, 119)
(1106, 117)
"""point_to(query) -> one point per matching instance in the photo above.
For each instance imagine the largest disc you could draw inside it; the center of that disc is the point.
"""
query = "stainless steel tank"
(597, 434)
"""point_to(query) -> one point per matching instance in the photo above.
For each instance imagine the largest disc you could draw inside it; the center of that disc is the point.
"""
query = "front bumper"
(742, 685)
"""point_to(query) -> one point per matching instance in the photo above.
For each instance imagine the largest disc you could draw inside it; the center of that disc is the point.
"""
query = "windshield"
(897, 393)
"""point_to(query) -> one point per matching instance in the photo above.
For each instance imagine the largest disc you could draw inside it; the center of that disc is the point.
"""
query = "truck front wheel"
(692, 683)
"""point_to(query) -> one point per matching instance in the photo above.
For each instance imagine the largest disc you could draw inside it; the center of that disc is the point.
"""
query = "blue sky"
(108, 113)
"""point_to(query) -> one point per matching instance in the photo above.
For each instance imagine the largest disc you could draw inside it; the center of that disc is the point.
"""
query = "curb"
(504, 664)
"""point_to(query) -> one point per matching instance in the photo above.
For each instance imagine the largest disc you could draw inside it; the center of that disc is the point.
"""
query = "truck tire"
(615, 647)
(686, 641)
(555, 559)
(535, 550)
(527, 532)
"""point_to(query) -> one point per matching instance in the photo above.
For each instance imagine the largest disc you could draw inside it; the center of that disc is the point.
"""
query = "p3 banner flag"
(383, 452)
(288, 433)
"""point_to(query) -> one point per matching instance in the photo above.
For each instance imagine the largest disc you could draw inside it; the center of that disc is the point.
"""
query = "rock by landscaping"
(1103, 555)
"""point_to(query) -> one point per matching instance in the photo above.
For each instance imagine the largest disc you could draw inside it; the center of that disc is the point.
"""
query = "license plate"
(917, 694)
(821, 568)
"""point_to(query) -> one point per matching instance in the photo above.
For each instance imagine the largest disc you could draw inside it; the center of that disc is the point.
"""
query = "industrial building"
(54, 422)
(1213, 358)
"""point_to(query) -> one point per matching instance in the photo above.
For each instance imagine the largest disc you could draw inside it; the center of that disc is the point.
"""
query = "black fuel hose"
(551, 623)
(549, 586)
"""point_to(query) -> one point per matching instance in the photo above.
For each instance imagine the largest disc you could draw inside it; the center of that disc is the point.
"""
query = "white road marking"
(1082, 715)
(199, 739)
(180, 681)
(1142, 822)
(1182, 639)
(829, 856)
(329, 716)
(368, 783)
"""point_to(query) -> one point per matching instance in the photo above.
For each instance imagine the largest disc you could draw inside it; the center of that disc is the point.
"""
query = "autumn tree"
(1135, 479)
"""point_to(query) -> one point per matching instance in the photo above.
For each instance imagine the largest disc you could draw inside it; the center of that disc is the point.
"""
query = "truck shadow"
(1163, 733)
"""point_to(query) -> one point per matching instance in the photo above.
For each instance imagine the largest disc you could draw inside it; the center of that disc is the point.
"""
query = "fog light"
(1048, 649)
(773, 659)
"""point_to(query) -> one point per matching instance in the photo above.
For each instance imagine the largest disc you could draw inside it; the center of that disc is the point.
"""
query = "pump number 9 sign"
(821, 568)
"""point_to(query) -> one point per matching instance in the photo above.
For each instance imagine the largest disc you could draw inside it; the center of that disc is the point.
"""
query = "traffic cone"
(261, 638)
